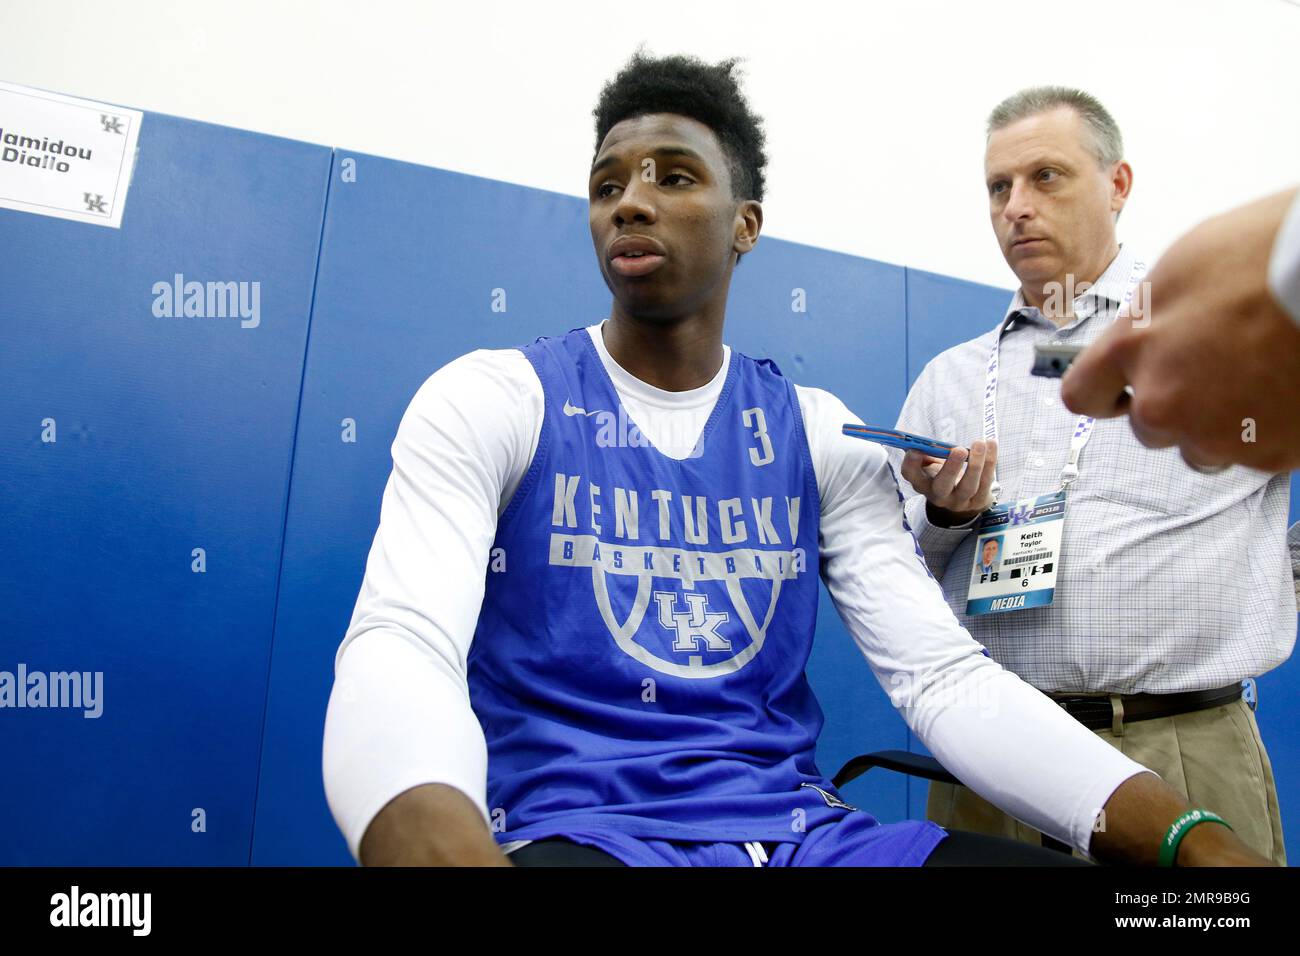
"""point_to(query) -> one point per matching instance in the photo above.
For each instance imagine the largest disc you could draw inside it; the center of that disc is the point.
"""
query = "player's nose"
(635, 204)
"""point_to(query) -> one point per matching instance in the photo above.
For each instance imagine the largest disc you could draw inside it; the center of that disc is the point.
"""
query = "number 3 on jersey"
(754, 418)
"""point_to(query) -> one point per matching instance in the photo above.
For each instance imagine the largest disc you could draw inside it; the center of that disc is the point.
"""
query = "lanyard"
(1082, 428)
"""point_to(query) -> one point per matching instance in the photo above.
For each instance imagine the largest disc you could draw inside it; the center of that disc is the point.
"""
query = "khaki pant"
(1213, 757)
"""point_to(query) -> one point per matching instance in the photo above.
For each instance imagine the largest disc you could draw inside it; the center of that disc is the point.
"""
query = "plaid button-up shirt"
(1169, 580)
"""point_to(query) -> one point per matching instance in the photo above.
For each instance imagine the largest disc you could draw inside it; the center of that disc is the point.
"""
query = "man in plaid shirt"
(1173, 585)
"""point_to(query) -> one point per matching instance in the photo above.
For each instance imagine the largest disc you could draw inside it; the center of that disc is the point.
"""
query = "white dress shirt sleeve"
(917, 417)
(1284, 263)
(399, 714)
(1000, 736)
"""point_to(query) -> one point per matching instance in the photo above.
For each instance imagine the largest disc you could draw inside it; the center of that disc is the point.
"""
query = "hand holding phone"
(958, 487)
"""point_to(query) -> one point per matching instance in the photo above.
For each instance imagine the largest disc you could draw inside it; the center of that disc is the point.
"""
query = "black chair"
(914, 765)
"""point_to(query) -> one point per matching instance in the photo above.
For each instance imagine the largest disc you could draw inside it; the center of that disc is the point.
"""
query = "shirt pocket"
(1120, 469)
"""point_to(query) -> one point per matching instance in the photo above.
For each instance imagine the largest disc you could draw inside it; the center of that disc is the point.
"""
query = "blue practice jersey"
(639, 659)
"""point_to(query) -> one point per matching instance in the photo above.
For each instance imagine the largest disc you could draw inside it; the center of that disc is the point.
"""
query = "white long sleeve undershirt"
(399, 715)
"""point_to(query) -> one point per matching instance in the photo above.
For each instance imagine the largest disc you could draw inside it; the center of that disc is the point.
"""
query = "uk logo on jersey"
(695, 627)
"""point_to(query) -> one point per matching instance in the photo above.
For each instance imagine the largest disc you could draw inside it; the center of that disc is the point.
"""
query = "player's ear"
(749, 223)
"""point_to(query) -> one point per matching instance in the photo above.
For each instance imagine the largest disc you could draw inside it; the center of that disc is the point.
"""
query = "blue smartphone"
(905, 440)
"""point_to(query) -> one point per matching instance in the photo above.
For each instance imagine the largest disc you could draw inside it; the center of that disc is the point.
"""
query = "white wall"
(874, 110)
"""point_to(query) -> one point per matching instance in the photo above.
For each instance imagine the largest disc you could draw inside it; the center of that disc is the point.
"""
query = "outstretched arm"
(404, 757)
(1000, 736)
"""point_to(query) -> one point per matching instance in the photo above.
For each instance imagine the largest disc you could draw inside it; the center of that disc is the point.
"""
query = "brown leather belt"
(1112, 711)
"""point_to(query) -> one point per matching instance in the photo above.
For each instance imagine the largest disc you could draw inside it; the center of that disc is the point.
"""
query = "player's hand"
(1212, 359)
(958, 488)
(430, 825)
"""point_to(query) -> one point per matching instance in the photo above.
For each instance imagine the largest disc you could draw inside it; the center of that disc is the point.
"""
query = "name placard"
(65, 157)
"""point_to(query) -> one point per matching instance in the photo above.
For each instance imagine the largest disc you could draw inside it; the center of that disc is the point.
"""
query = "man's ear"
(749, 223)
(1121, 184)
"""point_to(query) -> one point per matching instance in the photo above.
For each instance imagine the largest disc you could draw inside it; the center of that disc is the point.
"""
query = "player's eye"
(668, 180)
(1048, 175)
(603, 191)
(997, 187)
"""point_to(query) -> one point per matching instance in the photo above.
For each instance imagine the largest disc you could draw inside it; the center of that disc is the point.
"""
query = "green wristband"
(1180, 828)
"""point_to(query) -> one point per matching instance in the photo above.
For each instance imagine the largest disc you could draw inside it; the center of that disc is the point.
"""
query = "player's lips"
(635, 255)
(1028, 242)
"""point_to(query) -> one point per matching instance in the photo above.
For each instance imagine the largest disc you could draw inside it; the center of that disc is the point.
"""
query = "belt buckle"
(1065, 701)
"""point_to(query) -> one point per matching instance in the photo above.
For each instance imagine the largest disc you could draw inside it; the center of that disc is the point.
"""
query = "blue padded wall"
(943, 312)
(409, 261)
(172, 434)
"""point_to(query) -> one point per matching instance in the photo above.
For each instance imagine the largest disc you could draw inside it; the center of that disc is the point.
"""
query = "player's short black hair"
(690, 87)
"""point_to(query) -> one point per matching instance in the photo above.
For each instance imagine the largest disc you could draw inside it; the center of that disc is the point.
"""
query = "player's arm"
(997, 734)
(404, 757)
(403, 754)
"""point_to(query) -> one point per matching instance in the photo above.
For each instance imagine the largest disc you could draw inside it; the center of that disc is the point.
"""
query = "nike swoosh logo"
(571, 409)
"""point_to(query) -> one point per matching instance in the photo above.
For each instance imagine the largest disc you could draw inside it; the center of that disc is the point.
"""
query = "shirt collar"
(1109, 289)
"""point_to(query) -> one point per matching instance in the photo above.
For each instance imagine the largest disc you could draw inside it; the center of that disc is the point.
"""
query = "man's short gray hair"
(1107, 143)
